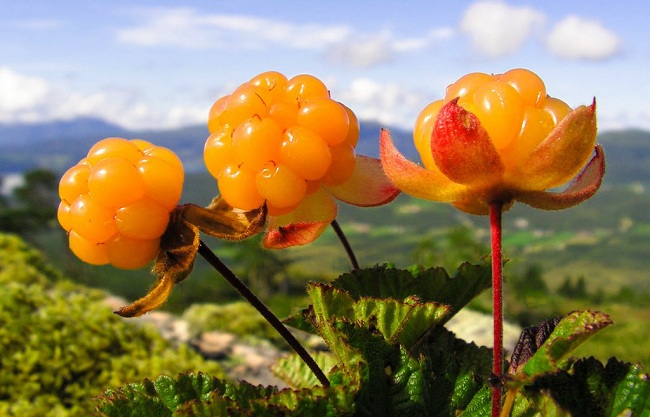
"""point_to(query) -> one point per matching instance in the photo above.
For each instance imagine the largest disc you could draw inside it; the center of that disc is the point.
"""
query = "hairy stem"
(232, 279)
(346, 244)
(497, 302)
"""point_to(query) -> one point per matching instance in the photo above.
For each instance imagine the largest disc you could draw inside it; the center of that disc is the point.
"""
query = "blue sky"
(145, 64)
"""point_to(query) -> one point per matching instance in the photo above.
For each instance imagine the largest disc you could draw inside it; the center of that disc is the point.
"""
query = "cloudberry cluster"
(276, 140)
(115, 203)
(512, 107)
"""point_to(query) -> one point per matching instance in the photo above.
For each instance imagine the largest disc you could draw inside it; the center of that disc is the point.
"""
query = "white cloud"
(341, 44)
(442, 33)
(19, 92)
(498, 29)
(578, 38)
(31, 99)
(389, 104)
(188, 28)
(620, 119)
(125, 109)
(363, 51)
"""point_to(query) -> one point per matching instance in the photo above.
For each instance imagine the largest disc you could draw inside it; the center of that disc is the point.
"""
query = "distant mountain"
(627, 153)
(28, 133)
(60, 144)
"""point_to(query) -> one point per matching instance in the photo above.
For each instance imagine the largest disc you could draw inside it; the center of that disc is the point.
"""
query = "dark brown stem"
(232, 279)
(497, 301)
(346, 244)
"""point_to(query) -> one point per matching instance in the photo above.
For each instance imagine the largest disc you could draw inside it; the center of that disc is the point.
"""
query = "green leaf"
(390, 356)
(522, 406)
(456, 370)
(185, 388)
(157, 398)
(570, 332)
(190, 395)
(402, 322)
(302, 320)
(480, 404)
(419, 285)
(429, 285)
(590, 388)
(373, 360)
(632, 392)
(215, 406)
(332, 402)
(296, 374)
(132, 400)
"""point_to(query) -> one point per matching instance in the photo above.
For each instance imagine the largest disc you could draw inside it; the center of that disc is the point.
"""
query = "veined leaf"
(293, 370)
(424, 285)
(570, 332)
(428, 285)
(590, 388)
(198, 395)
(403, 322)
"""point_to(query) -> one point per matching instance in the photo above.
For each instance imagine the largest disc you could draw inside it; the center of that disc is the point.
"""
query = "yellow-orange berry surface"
(116, 202)
(276, 139)
(512, 107)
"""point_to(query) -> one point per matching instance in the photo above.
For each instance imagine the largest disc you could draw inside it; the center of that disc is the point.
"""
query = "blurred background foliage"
(61, 345)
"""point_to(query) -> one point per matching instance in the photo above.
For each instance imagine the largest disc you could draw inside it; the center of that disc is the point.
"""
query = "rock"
(476, 327)
(114, 302)
(254, 364)
(252, 361)
(214, 344)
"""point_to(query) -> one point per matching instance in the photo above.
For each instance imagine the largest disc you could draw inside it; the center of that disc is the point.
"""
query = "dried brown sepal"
(178, 247)
(530, 340)
(180, 244)
(222, 221)
(156, 296)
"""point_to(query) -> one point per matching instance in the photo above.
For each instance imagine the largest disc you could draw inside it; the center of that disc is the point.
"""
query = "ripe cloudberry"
(287, 143)
(285, 133)
(116, 202)
(500, 138)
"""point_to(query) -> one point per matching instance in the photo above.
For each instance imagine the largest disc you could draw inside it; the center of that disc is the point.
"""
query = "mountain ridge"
(60, 144)
(57, 145)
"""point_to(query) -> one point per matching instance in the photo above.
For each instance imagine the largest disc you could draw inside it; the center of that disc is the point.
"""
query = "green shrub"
(61, 345)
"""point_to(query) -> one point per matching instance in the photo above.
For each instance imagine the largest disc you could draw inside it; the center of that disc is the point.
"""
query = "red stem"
(497, 302)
